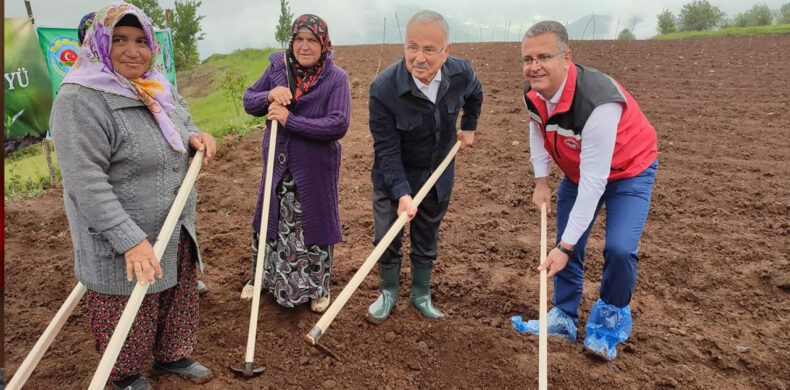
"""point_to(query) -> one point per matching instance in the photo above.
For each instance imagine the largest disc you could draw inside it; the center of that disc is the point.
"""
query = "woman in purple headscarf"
(124, 137)
(309, 95)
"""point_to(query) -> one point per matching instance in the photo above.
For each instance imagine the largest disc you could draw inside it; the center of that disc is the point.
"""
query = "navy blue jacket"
(412, 135)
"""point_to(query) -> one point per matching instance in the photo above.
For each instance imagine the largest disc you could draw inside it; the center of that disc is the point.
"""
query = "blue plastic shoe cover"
(607, 326)
(558, 324)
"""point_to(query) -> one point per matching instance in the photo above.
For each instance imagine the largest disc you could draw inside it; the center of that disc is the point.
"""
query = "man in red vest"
(588, 124)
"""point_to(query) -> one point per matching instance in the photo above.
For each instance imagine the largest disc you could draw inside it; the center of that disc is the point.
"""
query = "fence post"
(383, 40)
(45, 141)
(399, 31)
(48, 153)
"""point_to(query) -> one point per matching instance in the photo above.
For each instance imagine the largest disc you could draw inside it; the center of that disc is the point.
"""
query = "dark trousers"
(627, 203)
(423, 229)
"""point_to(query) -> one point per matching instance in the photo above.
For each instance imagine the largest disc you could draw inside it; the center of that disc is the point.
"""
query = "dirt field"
(712, 303)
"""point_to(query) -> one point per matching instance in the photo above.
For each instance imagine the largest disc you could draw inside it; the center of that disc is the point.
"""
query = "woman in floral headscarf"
(124, 137)
(309, 96)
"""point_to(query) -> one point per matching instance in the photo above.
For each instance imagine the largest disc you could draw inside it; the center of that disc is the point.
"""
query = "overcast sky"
(233, 24)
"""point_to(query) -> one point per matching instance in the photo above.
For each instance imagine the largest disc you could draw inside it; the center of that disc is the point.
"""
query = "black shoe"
(133, 382)
(187, 369)
(202, 289)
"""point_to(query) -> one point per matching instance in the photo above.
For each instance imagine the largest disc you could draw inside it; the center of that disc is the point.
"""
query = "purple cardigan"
(307, 146)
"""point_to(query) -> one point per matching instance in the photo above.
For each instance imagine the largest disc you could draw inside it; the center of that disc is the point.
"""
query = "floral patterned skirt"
(293, 272)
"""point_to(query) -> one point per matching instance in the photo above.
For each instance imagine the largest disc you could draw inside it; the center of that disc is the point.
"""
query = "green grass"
(26, 174)
(26, 177)
(252, 62)
(729, 32)
(211, 110)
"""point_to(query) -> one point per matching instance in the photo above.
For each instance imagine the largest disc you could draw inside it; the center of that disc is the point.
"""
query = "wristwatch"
(564, 249)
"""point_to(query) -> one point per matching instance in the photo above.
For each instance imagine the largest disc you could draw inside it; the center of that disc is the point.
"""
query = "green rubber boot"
(382, 307)
(421, 294)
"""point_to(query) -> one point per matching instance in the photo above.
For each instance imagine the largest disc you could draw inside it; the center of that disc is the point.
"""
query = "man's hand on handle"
(542, 193)
(467, 139)
(556, 260)
(404, 204)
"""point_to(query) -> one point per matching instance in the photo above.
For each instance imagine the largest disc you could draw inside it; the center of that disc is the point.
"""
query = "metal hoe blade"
(249, 370)
(326, 351)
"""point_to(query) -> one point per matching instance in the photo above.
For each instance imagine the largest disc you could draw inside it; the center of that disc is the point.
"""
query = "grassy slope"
(211, 110)
(729, 31)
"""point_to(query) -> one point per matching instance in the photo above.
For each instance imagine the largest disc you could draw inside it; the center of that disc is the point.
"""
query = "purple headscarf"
(94, 69)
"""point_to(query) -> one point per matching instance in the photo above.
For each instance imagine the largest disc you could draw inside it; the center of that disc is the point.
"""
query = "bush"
(17, 186)
(758, 15)
(625, 34)
(699, 15)
(666, 22)
(233, 86)
(783, 14)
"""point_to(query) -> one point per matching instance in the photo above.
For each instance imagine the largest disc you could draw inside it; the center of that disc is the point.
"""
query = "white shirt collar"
(432, 89)
(557, 95)
(436, 79)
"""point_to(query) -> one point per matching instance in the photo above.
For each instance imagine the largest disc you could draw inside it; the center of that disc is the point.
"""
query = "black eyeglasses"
(428, 51)
(541, 59)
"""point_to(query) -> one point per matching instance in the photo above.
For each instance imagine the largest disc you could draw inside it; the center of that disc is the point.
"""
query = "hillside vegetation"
(729, 32)
(25, 171)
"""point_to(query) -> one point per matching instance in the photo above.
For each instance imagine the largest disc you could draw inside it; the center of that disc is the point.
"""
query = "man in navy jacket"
(414, 106)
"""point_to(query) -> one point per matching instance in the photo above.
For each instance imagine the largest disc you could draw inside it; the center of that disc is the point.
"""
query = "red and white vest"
(586, 88)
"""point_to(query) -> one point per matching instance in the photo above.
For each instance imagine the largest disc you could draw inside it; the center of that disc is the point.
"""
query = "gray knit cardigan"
(120, 177)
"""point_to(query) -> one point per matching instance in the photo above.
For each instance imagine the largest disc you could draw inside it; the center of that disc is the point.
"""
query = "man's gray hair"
(425, 16)
(550, 26)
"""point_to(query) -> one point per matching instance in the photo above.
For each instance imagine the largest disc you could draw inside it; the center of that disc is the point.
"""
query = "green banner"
(26, 86)
(165, 61)
(61, 47)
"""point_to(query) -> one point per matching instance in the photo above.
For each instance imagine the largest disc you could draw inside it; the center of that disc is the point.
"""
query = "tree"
(186, 33)
(783, 14)
(283, 31)
(626, 34)
(699, 15)
(666, 22)
(762, 15)
(233, 86)
(151, 9)
(758, 15)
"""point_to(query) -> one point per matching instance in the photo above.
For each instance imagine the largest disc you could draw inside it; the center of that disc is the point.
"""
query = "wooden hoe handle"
(323, 323)
(256, 295)
(542, 326)
(34, 356)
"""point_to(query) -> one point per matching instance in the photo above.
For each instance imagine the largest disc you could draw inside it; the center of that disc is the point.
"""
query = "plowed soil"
(712, 303)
